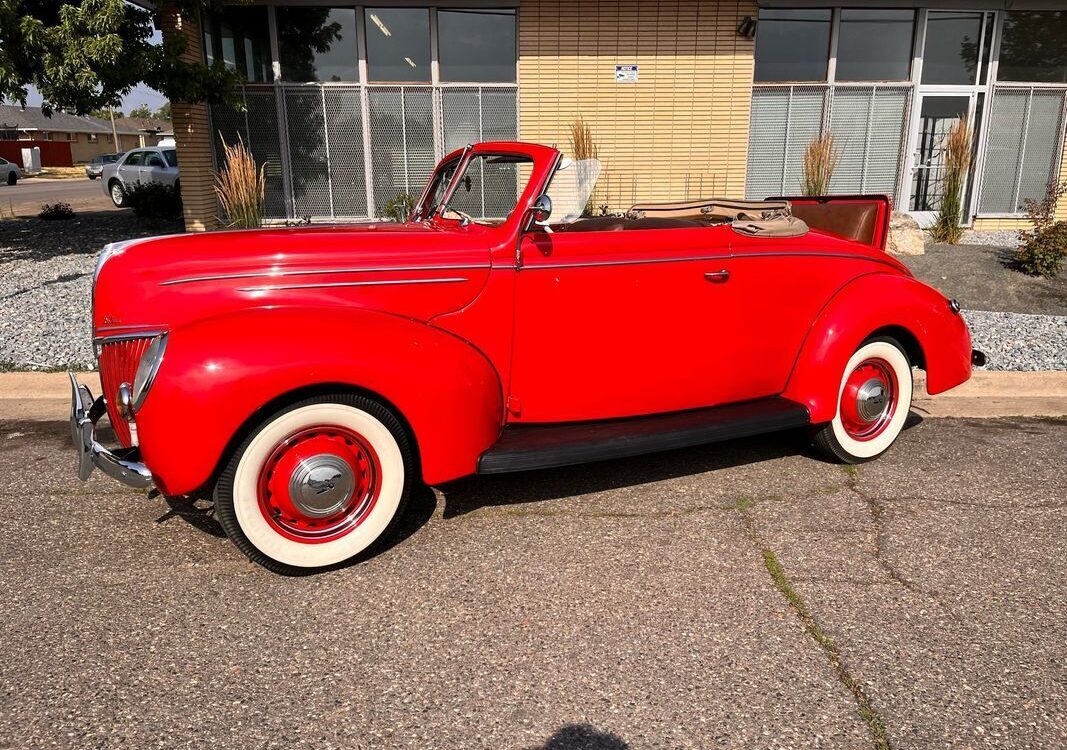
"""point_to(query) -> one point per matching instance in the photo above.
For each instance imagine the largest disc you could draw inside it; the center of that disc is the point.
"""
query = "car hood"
(413, 270)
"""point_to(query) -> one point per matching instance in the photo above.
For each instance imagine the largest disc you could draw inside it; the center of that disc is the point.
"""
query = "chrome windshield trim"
(320, 272)
(332, 284)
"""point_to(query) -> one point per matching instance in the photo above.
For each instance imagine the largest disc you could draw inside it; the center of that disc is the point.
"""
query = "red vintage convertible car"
(310, 377)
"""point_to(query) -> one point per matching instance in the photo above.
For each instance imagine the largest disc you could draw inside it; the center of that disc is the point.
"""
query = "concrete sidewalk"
(45, 396)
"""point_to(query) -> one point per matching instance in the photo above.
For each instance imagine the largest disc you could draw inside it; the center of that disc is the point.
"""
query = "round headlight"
(147, 369)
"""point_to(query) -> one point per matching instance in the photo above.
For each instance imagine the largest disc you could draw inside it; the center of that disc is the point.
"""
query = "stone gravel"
(1001, 238)
(44, 300)
(45, 274)
(1014, 341)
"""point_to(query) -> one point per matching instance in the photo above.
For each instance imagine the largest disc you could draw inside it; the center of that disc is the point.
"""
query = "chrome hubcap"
(871, 401)
(321, 485)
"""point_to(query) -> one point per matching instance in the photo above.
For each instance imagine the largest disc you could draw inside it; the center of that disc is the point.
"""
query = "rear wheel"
(12, 178)
(872, 403)
(316, 484)
(118, 194)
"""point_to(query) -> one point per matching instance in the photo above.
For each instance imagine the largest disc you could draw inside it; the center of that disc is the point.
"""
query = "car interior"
(854, 218)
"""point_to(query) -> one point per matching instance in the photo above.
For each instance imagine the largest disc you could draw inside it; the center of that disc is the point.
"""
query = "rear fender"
(218, 373)
(862, 308)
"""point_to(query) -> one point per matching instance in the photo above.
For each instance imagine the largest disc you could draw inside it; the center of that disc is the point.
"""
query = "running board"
(541, 446)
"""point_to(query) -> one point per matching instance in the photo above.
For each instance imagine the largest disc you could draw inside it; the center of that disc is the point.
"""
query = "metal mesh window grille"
(868, 122)
(470, 115)
(1024, 145)
(347, 151)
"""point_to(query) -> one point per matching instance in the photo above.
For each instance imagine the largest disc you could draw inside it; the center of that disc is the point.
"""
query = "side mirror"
(541, 209)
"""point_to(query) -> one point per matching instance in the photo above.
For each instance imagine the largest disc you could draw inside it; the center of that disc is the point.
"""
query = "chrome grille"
(118, 364)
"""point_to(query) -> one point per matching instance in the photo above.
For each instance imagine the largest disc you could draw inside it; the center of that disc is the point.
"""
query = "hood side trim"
(318, 271)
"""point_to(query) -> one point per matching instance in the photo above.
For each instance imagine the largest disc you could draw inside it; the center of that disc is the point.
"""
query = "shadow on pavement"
(582, 737)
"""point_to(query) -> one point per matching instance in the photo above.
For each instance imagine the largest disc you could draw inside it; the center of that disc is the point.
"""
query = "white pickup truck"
(151, 164)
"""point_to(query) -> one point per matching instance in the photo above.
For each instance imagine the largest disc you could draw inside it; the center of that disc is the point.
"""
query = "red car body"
(464, 329)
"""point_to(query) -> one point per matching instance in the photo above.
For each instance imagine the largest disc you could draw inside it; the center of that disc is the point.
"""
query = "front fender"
(219, 372)
(863, 307)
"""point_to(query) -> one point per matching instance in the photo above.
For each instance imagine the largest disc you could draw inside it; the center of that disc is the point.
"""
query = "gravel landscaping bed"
(46, 267)
(45, 272)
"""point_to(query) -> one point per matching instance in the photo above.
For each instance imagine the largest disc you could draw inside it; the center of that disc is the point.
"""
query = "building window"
(953, 44)
(317, 44)
(875, 45)
(792, 45)
(398, 44)
(476, 45)
(239, 38)
(1034, 47)
(93, 137)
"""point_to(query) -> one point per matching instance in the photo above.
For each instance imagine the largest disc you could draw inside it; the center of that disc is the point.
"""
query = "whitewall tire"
(873, 400)
(316, 484)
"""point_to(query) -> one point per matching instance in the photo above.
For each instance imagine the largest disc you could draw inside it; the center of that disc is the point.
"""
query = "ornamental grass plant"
(240, 188)
(957, 155)
(820, 160)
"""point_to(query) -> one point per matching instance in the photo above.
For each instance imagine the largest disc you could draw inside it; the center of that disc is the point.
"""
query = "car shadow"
(472, 493)
(582, 737)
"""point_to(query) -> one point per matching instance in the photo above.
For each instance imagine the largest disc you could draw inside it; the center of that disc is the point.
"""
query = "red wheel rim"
(869, 399)
(319, 484)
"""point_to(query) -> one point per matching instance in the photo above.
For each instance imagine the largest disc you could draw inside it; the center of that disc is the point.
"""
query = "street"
(26, 198)
(739, 595)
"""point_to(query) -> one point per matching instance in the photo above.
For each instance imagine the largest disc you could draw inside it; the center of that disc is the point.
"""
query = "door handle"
(717, 277)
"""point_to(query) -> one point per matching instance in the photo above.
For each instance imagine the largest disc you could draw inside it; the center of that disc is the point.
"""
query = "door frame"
(972, 90)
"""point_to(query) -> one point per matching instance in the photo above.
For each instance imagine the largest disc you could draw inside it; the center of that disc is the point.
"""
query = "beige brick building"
(684, 99)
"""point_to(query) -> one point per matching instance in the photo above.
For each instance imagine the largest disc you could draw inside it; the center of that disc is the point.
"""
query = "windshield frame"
(466, 160)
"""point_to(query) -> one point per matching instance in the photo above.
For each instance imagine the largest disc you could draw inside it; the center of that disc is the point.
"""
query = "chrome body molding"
(318, 272)
(145, 333)
(123, 465)
(699, 258)
(333, 284)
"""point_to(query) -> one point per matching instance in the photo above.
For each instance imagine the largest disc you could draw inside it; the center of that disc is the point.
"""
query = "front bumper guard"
(123, 464)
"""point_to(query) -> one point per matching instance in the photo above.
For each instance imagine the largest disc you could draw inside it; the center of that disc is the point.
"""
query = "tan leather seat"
(713, 210)
(854, 221)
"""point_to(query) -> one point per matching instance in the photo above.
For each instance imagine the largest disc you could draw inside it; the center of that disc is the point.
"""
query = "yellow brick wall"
(192, 131)
(681, 131)
(990, 225)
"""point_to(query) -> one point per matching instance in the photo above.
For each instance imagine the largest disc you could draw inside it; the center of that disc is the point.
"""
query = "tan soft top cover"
(755, 218)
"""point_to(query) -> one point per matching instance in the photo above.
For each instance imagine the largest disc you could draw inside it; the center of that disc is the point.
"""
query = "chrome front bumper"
(123, 464)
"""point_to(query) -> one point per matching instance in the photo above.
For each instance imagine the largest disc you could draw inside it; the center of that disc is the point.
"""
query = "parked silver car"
(95, 167)
(139, 165)
(9, 172)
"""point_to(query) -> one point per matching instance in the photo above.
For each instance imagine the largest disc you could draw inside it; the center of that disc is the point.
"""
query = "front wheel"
(118, 194)
(872, 403)
(12, 178)
(316, 484)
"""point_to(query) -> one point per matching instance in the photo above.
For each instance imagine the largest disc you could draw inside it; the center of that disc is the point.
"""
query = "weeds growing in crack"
(781, 581)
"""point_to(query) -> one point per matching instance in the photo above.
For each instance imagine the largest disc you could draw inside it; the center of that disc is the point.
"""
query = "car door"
(154, 168)
(620, 323)
(129, 171)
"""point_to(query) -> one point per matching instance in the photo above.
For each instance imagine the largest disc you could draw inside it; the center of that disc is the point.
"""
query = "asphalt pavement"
(740, 595)
(26, 197)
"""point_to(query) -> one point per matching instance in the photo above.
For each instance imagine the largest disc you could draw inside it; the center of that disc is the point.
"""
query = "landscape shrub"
(154, 200)
(400, 208)
(1042, 248)
(54, 211)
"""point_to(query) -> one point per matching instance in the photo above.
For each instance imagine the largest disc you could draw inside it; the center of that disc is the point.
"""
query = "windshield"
(489, 188)
(571, 189)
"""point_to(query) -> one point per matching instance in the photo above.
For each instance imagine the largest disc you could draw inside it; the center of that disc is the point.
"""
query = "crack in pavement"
(871, 718)
(877, 511)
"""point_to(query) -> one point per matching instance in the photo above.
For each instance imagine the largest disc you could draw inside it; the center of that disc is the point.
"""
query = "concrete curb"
(45, 396)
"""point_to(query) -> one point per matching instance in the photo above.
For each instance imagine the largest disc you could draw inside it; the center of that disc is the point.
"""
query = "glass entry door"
(938, 114)
(956, 53)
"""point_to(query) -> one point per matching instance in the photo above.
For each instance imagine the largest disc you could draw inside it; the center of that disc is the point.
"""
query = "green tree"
(163, 113)
(83, 55)
(143, 112)
(105, 114)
